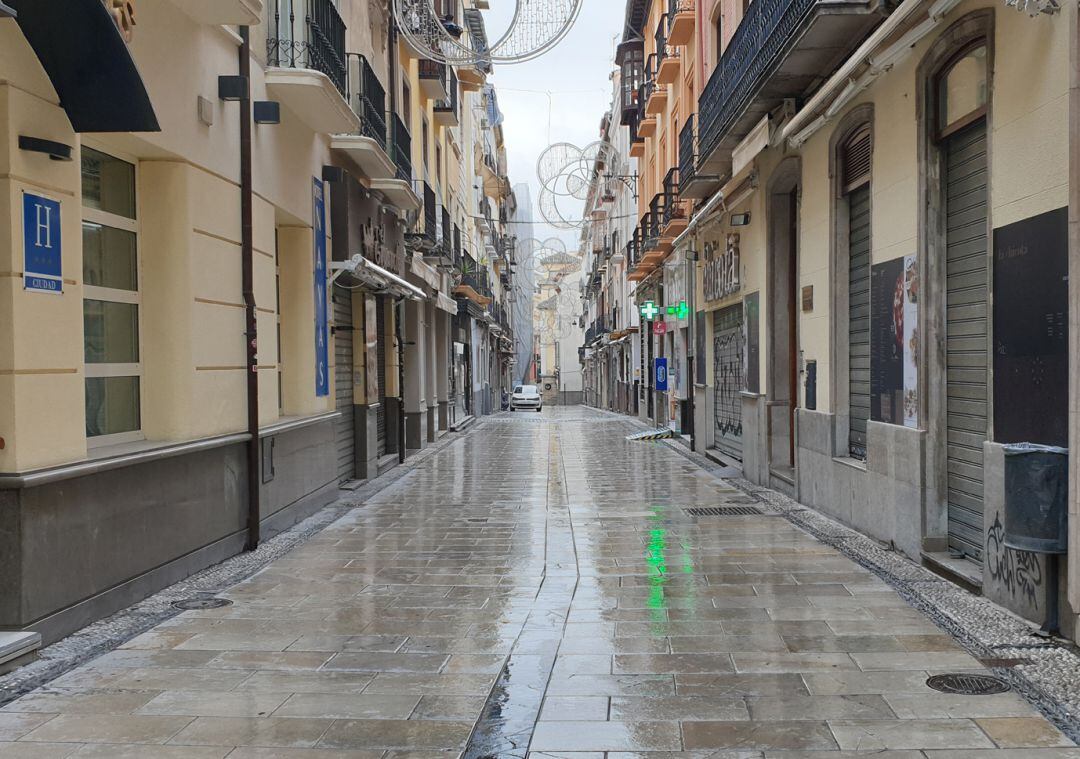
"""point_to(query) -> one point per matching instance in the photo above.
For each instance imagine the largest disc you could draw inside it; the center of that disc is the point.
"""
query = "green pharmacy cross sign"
(680, 311)
(649, 310)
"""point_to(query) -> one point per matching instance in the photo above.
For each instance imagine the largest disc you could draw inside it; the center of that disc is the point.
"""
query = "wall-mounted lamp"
(266, 112)
(740, 219)
(232, 87)
(57, 151)
(6, 11)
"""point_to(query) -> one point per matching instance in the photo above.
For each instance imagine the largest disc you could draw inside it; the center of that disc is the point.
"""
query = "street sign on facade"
(659, 328)
(322, 338)
(660, 376)
(42, 260)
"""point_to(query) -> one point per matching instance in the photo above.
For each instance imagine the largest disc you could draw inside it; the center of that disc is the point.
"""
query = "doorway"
(783, 315)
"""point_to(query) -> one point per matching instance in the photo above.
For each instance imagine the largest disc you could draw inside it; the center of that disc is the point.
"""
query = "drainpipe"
(247, 255)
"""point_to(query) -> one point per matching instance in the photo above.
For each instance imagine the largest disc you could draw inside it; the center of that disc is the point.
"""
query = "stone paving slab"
(536, 589)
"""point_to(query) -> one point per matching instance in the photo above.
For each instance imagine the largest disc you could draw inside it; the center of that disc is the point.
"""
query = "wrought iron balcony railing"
(450, 104)
(368, 98)
(430, 69)
(402, 150)
(431, 215)
(317, 41)
(673, 206)
(660, 38)
(676, 7)
(688, 150)
(758, 69)
(648, 82)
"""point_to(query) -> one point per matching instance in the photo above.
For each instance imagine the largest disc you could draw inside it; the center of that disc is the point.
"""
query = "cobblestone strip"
(1050, 677)
(113, 631)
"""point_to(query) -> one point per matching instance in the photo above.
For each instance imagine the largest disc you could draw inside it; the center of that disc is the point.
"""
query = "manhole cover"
(194, 604)
(725, 511)
(968, 685)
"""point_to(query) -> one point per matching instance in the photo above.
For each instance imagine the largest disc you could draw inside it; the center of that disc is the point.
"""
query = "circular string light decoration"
(537, 26)
(566, 174)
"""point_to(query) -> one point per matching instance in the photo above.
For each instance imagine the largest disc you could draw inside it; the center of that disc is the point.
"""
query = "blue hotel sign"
(41, 244)
(661, 375)
(322, 348)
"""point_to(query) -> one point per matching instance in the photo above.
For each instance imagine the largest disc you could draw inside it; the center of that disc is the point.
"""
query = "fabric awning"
(375, 276)
(89, 64)
(446, 303)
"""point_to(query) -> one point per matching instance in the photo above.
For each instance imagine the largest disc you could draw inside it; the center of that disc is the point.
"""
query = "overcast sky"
(577, 74)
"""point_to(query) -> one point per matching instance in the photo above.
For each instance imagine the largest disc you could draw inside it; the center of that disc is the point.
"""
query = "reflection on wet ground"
(537, 589)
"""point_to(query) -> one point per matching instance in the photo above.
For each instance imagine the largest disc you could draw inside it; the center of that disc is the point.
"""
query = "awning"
(89, 64)
(446, 303)
(375, 277)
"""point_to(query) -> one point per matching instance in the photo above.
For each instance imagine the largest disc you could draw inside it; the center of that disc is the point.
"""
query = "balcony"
(368, 148)
(653, 94)
(473, 284)
(782, 49)
(448, 110)
(398, 188)
(442, 254)
(692, 185)
(682, 18)
(667, 55)
(434, 82)
(306, 66)
(646, 129)
(675, 218)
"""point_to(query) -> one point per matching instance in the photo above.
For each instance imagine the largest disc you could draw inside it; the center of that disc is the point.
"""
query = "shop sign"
(322, 350)
(41, 244)
(660, 375)
(721, 275)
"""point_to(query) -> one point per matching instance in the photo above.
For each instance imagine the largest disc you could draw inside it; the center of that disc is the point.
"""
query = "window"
(406, 102)
(111, 299)
(962, 91)
(426, 133)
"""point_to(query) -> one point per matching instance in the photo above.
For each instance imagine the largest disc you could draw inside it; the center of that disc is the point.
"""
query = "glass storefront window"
(111, 303)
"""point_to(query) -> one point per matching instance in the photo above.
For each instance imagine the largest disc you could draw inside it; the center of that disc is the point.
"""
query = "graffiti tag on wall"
(728, 377)
(1019, 572)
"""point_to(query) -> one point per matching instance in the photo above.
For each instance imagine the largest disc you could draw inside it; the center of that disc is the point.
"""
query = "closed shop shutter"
(729, 341)
(380, 322)
(966, 315)
(343, 384)
(858, 319)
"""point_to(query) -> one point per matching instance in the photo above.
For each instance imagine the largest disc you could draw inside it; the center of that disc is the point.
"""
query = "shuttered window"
(855, 162)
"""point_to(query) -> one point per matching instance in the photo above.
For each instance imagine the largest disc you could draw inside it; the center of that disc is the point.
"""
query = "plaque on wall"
(894, 319)
(1031, 316)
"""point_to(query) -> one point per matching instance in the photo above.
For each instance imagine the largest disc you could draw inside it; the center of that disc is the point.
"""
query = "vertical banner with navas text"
(322, 350)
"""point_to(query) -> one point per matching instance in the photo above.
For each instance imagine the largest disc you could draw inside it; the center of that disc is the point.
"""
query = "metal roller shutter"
(966, 334)
(343, 384)
(380, 421)
(729, 342)
(858, 319)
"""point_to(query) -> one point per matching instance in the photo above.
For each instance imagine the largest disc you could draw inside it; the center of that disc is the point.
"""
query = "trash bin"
(1036, 498)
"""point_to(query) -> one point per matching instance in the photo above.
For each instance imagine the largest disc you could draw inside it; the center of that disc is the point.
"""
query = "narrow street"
(538, 588)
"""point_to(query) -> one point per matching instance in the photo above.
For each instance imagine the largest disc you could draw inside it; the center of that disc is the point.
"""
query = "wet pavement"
(538, 589)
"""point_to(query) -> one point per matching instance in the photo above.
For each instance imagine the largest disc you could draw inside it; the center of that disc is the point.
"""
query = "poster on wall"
(894, 321)
(1031, 316)
(322, 351)
(371, 348)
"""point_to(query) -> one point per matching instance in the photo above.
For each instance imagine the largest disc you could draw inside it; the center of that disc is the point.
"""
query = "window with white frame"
(110, 299)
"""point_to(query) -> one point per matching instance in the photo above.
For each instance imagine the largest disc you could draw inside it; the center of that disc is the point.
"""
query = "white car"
(526, 397)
